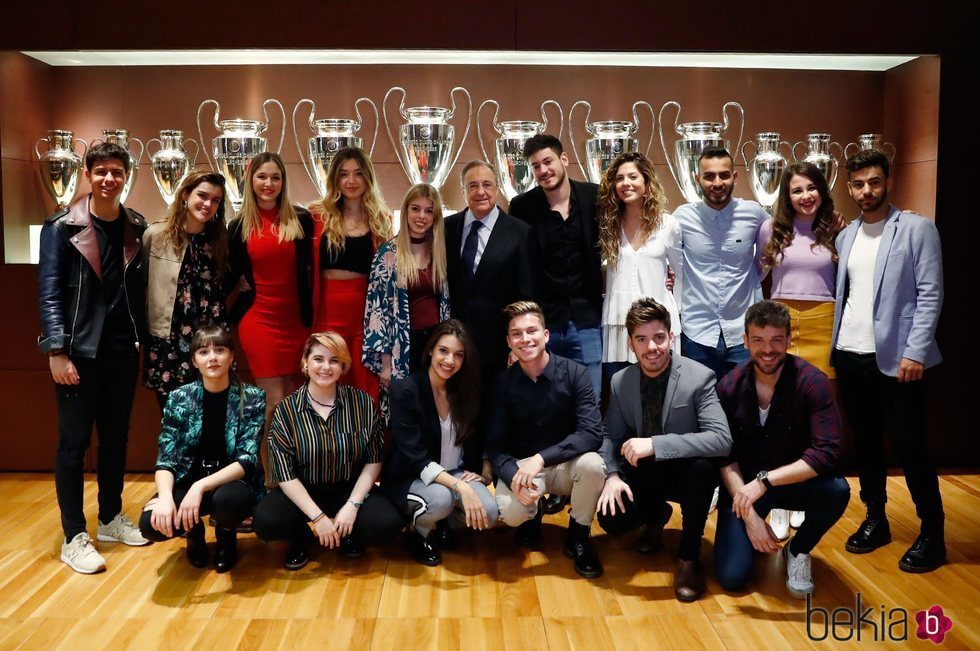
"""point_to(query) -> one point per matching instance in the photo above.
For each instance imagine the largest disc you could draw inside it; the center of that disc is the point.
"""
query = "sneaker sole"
(799, 594)
(107, 538)
(66, 561)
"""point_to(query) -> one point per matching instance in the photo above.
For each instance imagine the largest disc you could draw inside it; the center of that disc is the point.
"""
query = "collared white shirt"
(482, 236)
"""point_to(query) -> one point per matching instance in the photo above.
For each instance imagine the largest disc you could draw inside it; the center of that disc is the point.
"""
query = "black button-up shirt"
(555, 416)
(652, 392)
(563, 293)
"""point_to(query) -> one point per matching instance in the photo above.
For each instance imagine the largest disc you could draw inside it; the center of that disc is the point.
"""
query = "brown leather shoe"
(689, 581)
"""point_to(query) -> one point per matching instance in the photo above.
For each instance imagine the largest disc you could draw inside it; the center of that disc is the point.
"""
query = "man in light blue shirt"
(720, 280)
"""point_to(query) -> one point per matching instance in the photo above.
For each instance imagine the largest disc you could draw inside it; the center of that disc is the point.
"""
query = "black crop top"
(357, 255)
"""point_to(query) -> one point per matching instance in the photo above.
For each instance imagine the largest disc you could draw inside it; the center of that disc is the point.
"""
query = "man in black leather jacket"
(93, 315)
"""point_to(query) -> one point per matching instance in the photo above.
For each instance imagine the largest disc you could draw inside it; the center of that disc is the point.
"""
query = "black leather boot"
(926, 554)
(226, 556)
(578, 547)
(873, 533)
(528, 533)
(197, 548)
(421, 550)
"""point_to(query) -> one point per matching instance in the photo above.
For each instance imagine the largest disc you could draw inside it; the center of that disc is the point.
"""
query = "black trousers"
(103, 397)
(229, 504)
(690, 482)
(874, 402)
(277, 518)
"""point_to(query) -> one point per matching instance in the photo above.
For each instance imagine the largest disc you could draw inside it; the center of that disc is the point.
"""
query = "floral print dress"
(199, 301)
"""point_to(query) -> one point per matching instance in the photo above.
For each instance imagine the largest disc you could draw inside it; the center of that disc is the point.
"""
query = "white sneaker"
(81, 556)
(122, 529)
(778, 522)
(714, 501)
(799, 574)
(796, 519)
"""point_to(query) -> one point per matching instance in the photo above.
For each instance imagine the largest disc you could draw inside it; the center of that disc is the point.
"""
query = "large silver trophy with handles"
(868, 141)
(122, 138)
(514, 174)
(60, 165)
(695, 137)
(425, 143)
(170, 164)
(766, 167)
(610, 138)
(820, 152)
(237, 143)
(330, 135)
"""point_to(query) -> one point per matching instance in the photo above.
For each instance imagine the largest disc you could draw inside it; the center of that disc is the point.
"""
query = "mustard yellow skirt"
(811, 329)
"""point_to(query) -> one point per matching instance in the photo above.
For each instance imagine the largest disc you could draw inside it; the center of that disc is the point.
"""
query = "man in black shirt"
(543, 434)
(92, 301)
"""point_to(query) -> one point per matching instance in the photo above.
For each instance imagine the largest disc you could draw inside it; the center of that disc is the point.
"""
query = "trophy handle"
(571, 131)
(745, 158)
(84, 147)
(360, 120)
(884, 150)
(149, 142)
(197, 150)
(653, 124)
(282, 111)
(391, 138)
(840, 151)
(139, 157)
(833, 177)
(741, 126)
(469, 119)
(663, 143)
(784, 142)
(847, 148)
(302, 154)
(212, 162)
(796, 157)
(479, 130)
(561, 116)
(39, 141)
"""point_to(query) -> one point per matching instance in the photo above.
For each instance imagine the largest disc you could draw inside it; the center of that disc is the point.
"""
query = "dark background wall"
(901, 103)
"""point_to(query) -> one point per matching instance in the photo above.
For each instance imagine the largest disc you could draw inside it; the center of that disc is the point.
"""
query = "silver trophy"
(610, 138)
(695, 137)
(425, 143)
(122, 138)
(170, 164)
(766, 167)
(237, 143)
(867, 141)
(330, 136)
(820, 152)
(514, 174)
(60, 165)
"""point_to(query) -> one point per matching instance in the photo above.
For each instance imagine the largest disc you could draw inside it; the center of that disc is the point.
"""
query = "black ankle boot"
(226, 556)
(873, 533)
(926, 554)
(578, 547)
(421, 549)
(443, 536)
(528, 533)
(299, 549)
(197, 548)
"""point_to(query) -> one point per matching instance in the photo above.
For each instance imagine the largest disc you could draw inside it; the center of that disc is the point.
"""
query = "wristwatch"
(763, 477)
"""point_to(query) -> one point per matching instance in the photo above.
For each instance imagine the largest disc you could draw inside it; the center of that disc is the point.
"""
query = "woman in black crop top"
(351, 221)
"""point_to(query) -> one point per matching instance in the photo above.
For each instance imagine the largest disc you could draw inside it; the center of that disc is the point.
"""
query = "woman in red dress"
(271, 259)
(351, 222)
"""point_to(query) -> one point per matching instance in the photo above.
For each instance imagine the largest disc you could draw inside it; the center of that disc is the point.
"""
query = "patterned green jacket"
(181, 429)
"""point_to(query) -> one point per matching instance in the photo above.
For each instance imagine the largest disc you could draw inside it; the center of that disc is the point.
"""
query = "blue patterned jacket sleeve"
(380, 329)
(244, 446)
(179, 414)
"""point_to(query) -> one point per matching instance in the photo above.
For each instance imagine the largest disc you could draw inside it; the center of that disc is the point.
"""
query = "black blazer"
(532, 207)
(416, 437)
(241, 265)
(507, 272)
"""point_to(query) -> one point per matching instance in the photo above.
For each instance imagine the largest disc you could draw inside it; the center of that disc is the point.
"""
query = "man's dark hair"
(644, 310)
(542, 141)
(867, 158)
(767, 313)
(106, 151)
(715, 152)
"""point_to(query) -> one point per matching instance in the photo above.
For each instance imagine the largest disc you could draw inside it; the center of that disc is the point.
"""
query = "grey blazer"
(694, 423)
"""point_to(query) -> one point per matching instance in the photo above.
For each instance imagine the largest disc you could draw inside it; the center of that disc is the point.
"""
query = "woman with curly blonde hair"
(352, 222)
(638, 240)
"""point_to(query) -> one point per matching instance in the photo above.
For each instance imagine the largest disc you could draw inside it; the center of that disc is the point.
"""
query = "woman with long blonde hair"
(638, 240)
(352, 221)
(408, 294)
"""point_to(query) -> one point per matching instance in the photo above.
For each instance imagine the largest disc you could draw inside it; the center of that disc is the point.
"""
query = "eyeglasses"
(486, 186)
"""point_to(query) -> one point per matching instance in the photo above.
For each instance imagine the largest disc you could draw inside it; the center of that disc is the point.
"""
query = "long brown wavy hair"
(330, 210)
(612, 209)
(215, 230)
(463, 388)
(289, 227)
(782, 219)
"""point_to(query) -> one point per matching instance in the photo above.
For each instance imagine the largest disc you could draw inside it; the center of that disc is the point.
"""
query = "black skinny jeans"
(229, 504)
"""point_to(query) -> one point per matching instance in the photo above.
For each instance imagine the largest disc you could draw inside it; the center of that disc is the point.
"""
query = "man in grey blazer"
(663, 425)
(889, 294)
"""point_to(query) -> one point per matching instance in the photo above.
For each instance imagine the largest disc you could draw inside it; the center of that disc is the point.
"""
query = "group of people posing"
(399, 378)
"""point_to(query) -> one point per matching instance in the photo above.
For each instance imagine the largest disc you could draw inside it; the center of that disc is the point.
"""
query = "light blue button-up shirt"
(482, 235)
(720, 280)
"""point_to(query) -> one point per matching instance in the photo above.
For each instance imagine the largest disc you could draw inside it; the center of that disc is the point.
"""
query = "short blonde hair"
(332, 342)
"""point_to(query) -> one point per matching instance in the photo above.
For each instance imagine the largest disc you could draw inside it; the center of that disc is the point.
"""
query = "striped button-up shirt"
(316, 450)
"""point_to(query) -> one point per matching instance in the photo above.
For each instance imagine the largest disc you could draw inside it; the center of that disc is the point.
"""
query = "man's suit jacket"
(694, 424)
(532, 207)
(507, 272)
(908, 289)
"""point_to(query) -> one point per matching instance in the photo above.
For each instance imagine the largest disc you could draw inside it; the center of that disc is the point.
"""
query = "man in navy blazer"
(889, 294)
(664, 423)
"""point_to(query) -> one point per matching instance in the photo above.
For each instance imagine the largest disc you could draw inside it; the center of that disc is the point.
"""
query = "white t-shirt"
(857, 322)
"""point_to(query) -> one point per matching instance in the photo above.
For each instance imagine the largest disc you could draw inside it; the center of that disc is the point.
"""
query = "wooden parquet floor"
(488, 595)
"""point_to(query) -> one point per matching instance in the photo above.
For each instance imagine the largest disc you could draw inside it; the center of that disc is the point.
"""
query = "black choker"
(322, 404)
(418, 240)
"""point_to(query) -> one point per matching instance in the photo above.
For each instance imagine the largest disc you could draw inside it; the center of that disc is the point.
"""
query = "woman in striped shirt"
(325, 450)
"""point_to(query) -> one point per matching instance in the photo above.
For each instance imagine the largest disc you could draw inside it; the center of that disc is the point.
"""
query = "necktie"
(469, 249)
